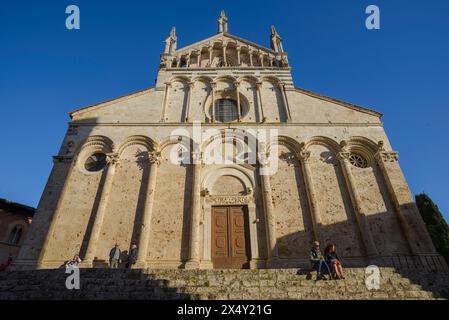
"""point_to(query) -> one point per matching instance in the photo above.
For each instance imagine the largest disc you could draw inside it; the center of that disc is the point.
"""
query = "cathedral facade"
(226, 164)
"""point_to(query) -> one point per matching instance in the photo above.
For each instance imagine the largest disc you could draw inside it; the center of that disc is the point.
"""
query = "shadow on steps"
(179, 284)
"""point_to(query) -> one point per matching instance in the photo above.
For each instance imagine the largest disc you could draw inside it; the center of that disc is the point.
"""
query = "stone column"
(189, 97)
(304, 157)
(188, 59)
(408, 215)
(362, 222)
(166, 96)
(199, 59)
(261, 59)
(54, 219)
(250, 58)
(144, 237)
(194, 247)
(285, 101)
(101, 212)
(269, 214)
(259, 100)
(211, 50)
(224, 55)
(213, 87)
(237, 90)
(238, 55)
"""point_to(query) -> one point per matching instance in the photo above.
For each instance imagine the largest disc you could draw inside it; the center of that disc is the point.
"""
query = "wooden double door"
(230, 237)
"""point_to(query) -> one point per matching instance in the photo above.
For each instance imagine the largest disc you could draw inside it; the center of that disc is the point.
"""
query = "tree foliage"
(435, 223)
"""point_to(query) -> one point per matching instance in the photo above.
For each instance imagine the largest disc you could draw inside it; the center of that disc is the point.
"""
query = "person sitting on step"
(74, 262)
(332, 259)
(317, 261)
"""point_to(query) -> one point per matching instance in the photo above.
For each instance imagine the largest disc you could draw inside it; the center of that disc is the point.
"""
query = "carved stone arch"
(293, 145)
(274, 80)
(366, 142)
(363, 147)
(246, 144)
(177, 139)
(96, 142)
(225, 78)
(206, 79)
(187, 144)
(90, 146)
(236, 171)
(249, 78)
(143, 141)
(238, 134)
(182, 79)
(232, 42)
(324, 141)
(243, 175)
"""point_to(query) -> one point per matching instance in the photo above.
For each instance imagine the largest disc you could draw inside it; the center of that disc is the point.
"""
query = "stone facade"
(337, 179)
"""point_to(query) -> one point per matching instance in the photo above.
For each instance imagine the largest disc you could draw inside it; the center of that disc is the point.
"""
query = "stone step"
(218, 284)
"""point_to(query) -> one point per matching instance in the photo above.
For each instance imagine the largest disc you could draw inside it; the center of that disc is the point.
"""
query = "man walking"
(114, 257)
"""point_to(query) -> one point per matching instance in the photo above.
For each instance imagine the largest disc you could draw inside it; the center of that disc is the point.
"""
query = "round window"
(226, 110)
(95, 162)
(358, 161)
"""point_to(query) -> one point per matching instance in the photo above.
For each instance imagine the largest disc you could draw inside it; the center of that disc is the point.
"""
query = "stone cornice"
(110, 101)
(221, 125)
(225, 125)
(337, 101)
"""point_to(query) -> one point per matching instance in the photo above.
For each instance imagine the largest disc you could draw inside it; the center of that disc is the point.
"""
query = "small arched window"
(96, 162)
(15, 235)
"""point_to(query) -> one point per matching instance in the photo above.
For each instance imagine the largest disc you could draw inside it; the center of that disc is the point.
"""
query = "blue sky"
(46, 71)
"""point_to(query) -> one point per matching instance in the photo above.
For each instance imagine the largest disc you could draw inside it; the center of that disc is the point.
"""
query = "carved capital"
(197, 157)
(263, 159)
(387, 156)
(154, 158)
(343, 156)
(304, 155)
(112, 158)
(205, 192)
(380, 146)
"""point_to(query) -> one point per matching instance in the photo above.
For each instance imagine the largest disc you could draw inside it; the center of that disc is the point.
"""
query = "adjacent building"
(15, 220)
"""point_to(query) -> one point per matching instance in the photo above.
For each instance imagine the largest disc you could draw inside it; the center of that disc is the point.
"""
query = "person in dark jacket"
(132, 259)
(317, 261)
(332, 259)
